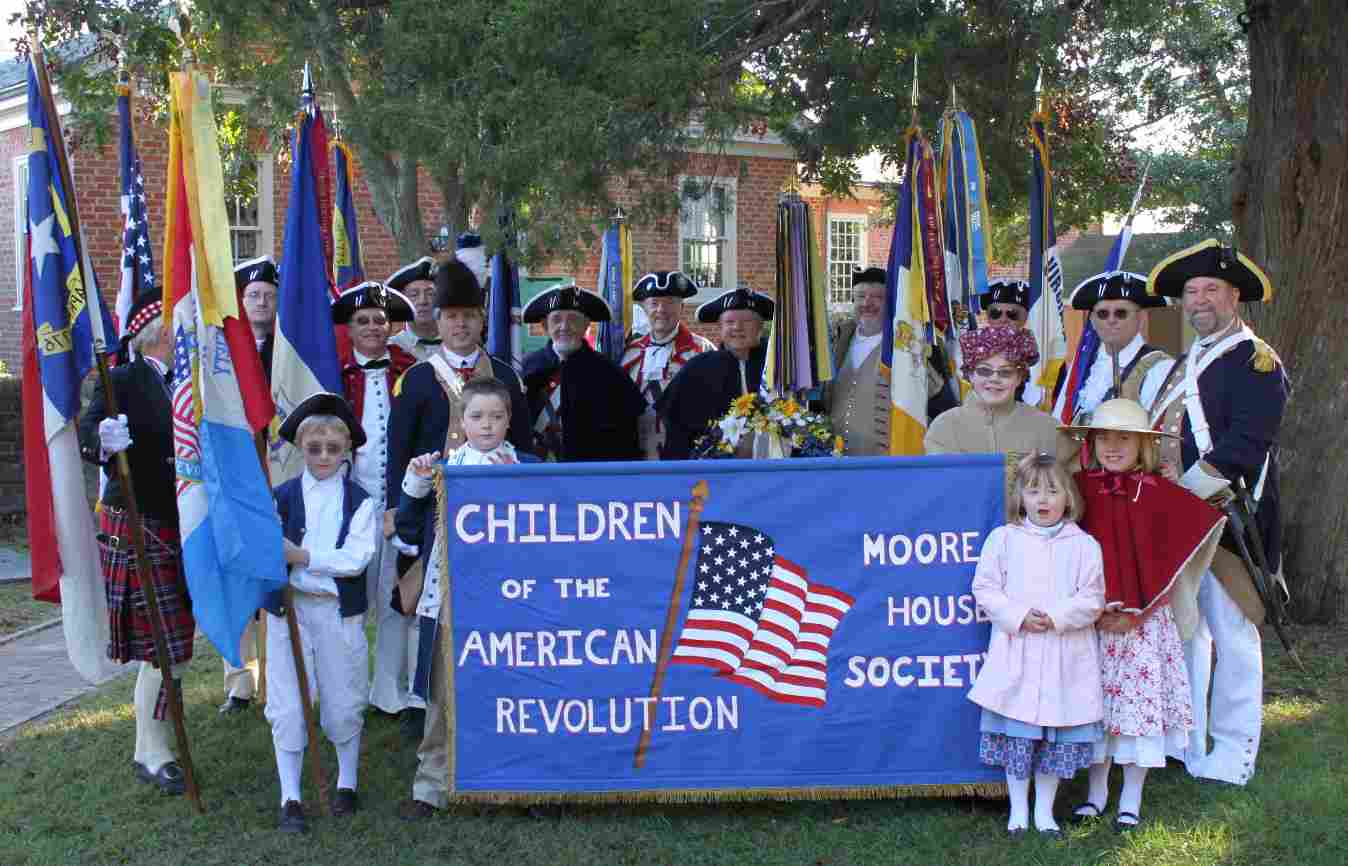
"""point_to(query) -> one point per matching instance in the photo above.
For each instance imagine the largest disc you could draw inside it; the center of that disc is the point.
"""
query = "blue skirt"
(996, 723)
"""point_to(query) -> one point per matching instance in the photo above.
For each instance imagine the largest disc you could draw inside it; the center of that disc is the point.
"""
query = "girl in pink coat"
(1040, 580)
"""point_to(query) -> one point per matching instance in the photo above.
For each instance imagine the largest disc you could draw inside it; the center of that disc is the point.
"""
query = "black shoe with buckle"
(413, 724)
(415, 810)
(234, 705)
(345, 803)
(168, 778)
(292, 818)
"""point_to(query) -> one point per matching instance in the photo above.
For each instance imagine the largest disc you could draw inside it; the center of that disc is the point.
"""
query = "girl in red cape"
(1157, 539)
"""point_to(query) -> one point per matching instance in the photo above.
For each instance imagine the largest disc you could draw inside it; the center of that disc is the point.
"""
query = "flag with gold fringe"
(231, 538)
(965, 218)
(799, 354)
(916, 288)
(1045, 318)
(348, 268)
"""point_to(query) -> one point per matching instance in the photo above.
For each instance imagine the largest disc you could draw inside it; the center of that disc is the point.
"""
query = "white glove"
(114, 435)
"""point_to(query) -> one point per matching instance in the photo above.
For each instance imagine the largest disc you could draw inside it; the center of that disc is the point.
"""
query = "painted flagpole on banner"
(1046, 317)
(88, 334)
(1088, 347)
(695, 507)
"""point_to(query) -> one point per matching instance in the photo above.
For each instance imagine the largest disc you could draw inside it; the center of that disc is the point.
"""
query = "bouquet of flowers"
(759, 425)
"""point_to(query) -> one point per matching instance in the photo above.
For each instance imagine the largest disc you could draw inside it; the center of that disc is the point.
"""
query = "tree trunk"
(1291, 212)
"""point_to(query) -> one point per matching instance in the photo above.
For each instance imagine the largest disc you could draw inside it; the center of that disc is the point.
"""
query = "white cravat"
(861, 349)
(458, 361)
(657, 358)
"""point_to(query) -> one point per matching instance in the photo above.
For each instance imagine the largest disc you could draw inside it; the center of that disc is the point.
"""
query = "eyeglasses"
(1011, 315)
(317, 449)
(1119, 315)
(1003, 374)
(368, 319)
(259, 296)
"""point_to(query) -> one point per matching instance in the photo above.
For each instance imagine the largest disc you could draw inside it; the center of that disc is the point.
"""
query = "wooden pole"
(175, 706)
(310, 720)
(260, 627)
(695, 507)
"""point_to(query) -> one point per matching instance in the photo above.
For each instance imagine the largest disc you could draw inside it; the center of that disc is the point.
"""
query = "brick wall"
(11, 448)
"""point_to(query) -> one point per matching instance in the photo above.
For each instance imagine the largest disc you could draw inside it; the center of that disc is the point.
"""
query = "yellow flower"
(789, 407)
(838, 445)
(743, 405)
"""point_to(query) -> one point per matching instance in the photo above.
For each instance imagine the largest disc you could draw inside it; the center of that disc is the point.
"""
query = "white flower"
(732, 428)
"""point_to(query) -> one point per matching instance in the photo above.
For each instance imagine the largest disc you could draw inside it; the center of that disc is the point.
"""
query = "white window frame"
(19, 176)
(861, 222)
(266, 226)
(729, 247)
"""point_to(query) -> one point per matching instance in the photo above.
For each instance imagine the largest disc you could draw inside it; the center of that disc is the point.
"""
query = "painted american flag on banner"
(757, 618)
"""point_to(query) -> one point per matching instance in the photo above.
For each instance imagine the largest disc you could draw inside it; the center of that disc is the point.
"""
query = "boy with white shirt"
(486, 420)
(330, 527)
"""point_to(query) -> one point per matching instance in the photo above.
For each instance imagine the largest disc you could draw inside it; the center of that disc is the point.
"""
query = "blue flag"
(304, 360)
(347, 264)
(70, 320)
(505, 333)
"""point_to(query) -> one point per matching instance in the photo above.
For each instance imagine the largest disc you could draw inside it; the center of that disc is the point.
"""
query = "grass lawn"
(67, 796)
(19, 611)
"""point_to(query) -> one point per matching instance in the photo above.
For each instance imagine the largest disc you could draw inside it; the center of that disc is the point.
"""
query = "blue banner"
(717, 629)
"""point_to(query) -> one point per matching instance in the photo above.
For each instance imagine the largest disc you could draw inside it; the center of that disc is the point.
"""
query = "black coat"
(599, 406)
(1244, 409)
(264, 352)
(143, 397)
(701, 393)
(420, 419)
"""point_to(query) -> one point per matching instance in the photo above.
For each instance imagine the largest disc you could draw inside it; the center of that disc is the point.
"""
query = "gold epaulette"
(398, 385)
(1264, 360)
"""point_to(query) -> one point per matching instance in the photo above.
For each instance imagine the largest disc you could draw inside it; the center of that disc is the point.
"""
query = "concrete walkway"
(36, 676)
(14, 565)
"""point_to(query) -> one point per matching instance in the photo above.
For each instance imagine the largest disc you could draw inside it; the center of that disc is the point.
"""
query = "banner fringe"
(985, 790)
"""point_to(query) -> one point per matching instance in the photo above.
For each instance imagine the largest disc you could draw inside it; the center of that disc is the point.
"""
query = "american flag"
(757, 618)
(137, 263)
(186, 441)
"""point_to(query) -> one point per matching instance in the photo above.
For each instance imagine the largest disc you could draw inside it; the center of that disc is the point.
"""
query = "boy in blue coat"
(329, 524)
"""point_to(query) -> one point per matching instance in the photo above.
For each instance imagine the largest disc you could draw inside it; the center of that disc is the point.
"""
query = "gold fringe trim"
(987, 790)
(1264, 360)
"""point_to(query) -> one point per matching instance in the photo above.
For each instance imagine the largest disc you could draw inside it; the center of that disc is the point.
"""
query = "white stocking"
(1130, 800)
(1099, 792)
(152, 735)
(1045, 790)
(1019, 791)
(348, 762)
(289, 766)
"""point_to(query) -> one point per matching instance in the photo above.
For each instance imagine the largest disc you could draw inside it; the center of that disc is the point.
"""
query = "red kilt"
(128, 613)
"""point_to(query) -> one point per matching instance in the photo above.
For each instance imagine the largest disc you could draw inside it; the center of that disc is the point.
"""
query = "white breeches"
(241, 682)
(1236, 685)
(336, 659)
(395, 641)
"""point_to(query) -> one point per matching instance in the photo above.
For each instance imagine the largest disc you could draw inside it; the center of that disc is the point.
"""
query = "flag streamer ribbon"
(615, 285)
(1046, 290)
(964, 209)
(505, 327)
(347, 264)
(799, 352)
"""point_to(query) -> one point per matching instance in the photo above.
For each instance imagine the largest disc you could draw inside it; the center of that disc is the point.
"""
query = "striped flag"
(137, 261)
(348, 269)
(916, 275)
(304, 360)
(231, 537)
(757, 618)
(65, 324)
(615, 286)
(1088, 347)
(1045, 319)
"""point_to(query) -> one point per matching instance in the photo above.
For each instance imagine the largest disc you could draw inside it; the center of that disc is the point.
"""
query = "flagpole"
(699, 501)
(175, 706)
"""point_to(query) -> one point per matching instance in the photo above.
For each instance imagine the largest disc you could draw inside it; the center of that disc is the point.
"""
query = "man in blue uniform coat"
(1227, 408)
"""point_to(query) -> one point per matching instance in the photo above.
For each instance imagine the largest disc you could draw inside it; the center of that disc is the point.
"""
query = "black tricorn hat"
(259, 270)
(870, 275)
(1113, 286)
(372, 294)
(736, 299)
(1006, 291)
(456, 286)
(1210, 259)
(567, 297)
(421, 269)
(663, 284)
(322, 403)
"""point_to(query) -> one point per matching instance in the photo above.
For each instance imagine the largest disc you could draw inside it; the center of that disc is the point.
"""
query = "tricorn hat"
(663, 284)
(736, 299)
(259, 270)
(421, 269)
(567, 297)
(870, 275)
(372, 294)
(1113, 286)
(323, 403)
(1006, 291)
(457, 286)
(1210, 259)
(1120, 414)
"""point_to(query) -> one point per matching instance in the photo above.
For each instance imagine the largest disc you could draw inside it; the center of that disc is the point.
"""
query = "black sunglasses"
(1011, 315)
(1119, 315)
